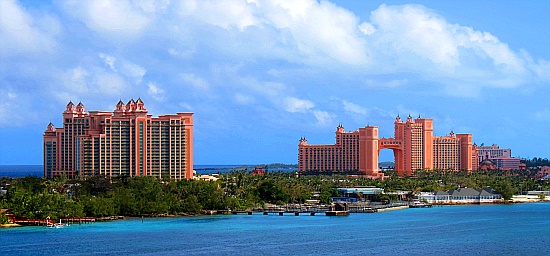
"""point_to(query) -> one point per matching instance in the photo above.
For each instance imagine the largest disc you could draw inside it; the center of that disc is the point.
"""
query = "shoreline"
(115, 218)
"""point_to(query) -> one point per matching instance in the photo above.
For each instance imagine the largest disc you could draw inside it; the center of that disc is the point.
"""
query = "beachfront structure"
(413, 145)
(125, 142)
(461, 196)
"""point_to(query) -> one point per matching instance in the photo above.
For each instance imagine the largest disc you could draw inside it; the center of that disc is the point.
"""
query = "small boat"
(56, 225)
(418, 204)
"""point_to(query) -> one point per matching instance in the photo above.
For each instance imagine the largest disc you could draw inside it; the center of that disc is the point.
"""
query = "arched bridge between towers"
(397, 147)
(389, 143)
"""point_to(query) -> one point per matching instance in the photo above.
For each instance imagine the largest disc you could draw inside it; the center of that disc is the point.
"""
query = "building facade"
(500, 157)
(413, 145)
(125, 142)
(494, 151)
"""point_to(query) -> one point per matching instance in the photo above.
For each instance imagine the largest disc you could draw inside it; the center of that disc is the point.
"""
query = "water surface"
(519, 229)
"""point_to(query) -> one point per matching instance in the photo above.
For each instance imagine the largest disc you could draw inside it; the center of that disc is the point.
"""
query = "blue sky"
(260, 74)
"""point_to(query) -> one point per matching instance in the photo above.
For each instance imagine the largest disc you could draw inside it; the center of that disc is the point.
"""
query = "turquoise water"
(519, 229)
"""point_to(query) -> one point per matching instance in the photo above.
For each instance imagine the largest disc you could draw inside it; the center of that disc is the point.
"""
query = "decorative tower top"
(452, 133)
(70, 107)
(340, 128)
(140, 106)
(131, 106)
(398, 119)
(80, 108)
(50, 128)
(409, 119)
(120, 107)
(303, 142)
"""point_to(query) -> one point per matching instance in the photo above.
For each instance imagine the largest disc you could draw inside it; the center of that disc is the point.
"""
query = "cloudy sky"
(261, 74)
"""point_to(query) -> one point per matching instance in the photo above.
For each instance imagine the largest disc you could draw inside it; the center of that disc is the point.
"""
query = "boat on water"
(419, 204)
(56, 225)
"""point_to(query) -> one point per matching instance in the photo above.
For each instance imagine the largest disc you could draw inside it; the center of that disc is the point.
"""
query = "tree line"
(37, 198)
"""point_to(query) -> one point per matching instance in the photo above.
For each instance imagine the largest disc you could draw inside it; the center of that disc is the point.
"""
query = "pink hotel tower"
(125, 142)
(414, 147)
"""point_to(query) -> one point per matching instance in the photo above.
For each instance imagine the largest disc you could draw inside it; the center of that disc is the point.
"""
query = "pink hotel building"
(414, 147)
(125, 142)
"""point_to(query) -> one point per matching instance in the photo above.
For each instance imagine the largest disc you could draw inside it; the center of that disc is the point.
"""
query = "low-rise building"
(461, 196)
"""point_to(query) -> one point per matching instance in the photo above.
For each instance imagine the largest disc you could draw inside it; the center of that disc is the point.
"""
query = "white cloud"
(155, 91)
(323, 117)
(416, 30)
(22, 33)
(181, 54)
(108, 83)
(133, 71)
(412, 38)
(243, 99)
(128, 69)
(367, 28)
(195, 81)
(75, 80)
(109, 60)
(354, 108)
(113, 18)
(322, 31)
(80, 81)
(293, 105)
(225, 14)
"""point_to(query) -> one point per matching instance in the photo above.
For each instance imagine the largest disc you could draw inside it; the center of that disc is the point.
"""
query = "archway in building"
(386, 159)
(397, 150)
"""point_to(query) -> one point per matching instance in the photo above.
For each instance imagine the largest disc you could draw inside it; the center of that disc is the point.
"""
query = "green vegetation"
(38, 198)
(536, 161)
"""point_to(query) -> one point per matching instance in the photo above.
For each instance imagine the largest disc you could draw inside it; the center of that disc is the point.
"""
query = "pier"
(338, 209)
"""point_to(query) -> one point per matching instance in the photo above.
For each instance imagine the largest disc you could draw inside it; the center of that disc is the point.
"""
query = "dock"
(337, 213)
(337, 209)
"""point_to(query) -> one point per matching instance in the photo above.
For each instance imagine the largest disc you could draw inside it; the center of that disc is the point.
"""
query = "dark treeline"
(38, 198)
(536, 161)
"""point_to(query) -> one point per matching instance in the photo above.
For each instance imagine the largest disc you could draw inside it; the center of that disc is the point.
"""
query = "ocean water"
(518, 229)
(15, 171)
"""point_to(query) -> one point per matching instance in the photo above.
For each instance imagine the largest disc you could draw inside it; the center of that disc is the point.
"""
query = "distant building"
(461, 196)
(492, 152)
(500, 157)
(258, 170)
(413, 145)
(544, 172)
(125, 142)
(351, 195)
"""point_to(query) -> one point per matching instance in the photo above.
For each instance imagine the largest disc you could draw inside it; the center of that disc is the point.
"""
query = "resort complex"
(414, 147)
(125, 142)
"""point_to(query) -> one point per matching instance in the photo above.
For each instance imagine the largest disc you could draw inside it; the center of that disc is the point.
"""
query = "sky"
(258, 75)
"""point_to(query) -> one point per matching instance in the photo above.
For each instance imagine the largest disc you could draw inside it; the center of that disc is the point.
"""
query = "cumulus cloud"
(293, 105)
(80, 81)
(412, 38)
(113, 18)
(127, 68)
(155, 91)
(195, 81)
(323, 117)
(354, 108)
(22, 33)
(225, 14)
(133, 71)
(109, 60)
(367, 28)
